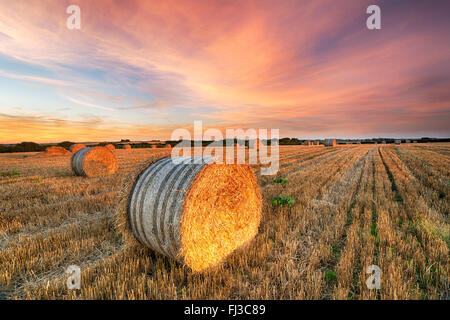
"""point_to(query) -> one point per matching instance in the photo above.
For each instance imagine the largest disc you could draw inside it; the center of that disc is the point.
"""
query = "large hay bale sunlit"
(92, 162)
(195, 213)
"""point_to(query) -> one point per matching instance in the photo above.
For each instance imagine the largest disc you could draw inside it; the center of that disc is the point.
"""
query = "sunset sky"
(140, 69)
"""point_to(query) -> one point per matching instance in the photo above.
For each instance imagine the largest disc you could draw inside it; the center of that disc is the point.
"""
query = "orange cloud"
(46, 129)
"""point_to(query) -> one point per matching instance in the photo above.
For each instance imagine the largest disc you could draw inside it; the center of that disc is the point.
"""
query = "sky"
(141, 69)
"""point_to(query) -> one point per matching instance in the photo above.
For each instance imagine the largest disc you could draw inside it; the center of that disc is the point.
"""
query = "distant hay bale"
(330, 142)
(110, 147)
(127, 147)
(196, 214)
(153, 146)
(54, 151)
(317, 143)
(77, 146)
(92, 162)
(168, 146)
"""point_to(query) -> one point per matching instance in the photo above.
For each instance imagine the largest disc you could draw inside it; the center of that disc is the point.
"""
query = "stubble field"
(355, 206)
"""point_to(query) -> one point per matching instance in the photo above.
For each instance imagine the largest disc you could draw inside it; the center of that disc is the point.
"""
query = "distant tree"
(5, 149)
(66, 144)
(22, 147)
(289, 141)
(28, 147)
(142, 145)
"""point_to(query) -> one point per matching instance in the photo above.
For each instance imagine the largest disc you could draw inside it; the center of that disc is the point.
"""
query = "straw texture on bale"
(127, 147)
(92, 162)
(194, 213)
(110, 146)
(54, 151)
(77, 146)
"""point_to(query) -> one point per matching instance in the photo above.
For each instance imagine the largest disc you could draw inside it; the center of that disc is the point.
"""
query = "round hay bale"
(92, 162)
(169, 146)
(54, 151)
(127, 147)
(194, 213)
(110, 147)
(153, 146)
(77, 146)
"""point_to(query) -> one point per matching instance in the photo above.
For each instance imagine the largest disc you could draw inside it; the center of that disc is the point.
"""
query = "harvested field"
(355, 206)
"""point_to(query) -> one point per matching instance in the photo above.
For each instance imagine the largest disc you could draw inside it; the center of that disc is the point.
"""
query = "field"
(355, 206)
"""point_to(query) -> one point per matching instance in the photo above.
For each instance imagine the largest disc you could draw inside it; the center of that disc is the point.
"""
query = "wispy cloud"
(38, 79)
(90, 105)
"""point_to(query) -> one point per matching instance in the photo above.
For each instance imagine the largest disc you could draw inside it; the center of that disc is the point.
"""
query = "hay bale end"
(92, 162)
(194, 213)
